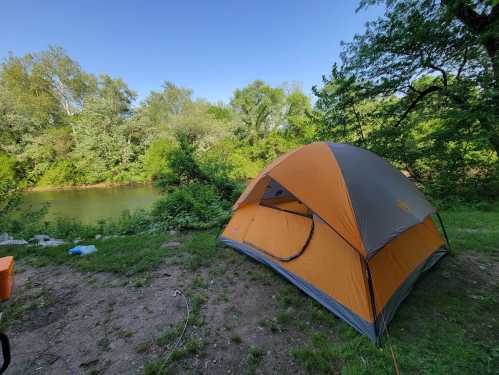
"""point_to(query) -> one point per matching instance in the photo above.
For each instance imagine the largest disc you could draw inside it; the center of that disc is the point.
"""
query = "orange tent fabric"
(341, 224)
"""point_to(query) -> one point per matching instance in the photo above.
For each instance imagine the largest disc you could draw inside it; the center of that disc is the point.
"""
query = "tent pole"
(443, 230)
(373, 302)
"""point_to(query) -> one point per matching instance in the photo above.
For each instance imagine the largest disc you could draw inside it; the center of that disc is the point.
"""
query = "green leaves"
(194, 206)
(259, 107)
(418, 88)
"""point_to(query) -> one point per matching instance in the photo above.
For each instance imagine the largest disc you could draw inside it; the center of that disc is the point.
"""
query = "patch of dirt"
(90, 322)
(483, 269)
(95, 323)
(99, 323)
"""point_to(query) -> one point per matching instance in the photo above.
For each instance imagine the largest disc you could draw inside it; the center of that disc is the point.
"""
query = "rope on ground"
(177, 292)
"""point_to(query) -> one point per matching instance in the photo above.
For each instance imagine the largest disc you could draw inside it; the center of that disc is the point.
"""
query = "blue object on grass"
(82, 250)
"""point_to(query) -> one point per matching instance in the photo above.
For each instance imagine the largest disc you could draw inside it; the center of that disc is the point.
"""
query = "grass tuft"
(255, 357)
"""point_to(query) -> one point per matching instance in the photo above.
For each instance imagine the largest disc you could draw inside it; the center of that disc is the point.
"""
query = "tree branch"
(412, 88)
(442, 71)
(421, 95)
(463, 63)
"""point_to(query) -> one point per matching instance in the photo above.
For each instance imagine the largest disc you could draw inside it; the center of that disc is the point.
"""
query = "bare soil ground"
(243, 319)
(79, 323)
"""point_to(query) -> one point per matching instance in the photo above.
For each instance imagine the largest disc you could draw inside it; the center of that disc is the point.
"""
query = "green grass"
(128, 255)
(24, 305)
(473, 229)
(448, 325)
(162, 367)
(202, 248)
(255, 357)
(168, 336)
(318, 356)
(191, 347)
(442, 328)
(196, 302)
(166, 339)
(143, 347)
(236, 339)
(103, 344)
(199, 283)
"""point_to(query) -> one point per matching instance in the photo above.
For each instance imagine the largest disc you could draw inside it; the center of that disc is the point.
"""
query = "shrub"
(219, 174)
(181, 167)
(156, 158)
(128, 223)
(62, 173)
(7, 168)
(62, 227)
(194, 206)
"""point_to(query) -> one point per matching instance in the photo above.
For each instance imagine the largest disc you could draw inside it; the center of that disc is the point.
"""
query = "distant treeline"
(63, 126)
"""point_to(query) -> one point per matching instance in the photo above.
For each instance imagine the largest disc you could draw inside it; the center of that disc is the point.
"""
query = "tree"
(105, 145)
(68, 82)
(259, 107)
(451, 40)
(40, 95)
(423, 62)
(297, 111)
(155, 112)
(28, 103)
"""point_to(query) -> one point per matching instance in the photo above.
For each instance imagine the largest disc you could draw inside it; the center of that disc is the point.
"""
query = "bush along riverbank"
(165, 216)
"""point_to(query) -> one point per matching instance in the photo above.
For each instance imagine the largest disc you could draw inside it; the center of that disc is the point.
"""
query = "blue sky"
(210, 46)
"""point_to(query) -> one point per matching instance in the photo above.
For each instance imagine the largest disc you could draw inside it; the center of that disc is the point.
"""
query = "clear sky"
(210, 46)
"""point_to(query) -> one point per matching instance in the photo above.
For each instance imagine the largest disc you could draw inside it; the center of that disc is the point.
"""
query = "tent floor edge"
(359, 324)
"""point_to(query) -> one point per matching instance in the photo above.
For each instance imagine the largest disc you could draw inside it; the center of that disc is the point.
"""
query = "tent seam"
(352, 209)
(375, 252)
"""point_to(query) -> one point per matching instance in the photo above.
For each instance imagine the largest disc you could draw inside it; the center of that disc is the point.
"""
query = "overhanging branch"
(421, 95)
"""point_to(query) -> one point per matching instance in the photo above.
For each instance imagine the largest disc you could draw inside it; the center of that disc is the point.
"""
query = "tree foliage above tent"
(420, 87)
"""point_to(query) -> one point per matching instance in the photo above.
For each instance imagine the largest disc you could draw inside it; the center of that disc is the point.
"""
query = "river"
(92, 204)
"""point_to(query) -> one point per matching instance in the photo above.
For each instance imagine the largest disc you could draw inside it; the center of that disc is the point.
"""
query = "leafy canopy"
(420, 87)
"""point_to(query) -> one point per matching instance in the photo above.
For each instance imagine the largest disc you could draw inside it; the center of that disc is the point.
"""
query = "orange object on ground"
(344, 226)
(6, 277)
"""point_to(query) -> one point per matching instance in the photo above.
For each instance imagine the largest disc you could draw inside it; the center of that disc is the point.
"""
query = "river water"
(92, 204)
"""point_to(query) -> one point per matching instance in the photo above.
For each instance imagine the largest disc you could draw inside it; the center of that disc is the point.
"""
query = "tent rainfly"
(343, 225)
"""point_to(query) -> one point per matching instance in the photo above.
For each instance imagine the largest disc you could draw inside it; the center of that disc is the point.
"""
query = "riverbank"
(117, 311)
(101, 185)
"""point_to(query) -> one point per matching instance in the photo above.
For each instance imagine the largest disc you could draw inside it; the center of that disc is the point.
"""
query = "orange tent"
(344, 226)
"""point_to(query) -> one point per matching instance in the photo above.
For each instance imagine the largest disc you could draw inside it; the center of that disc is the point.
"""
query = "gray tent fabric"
(275, 190)
(385, 202)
